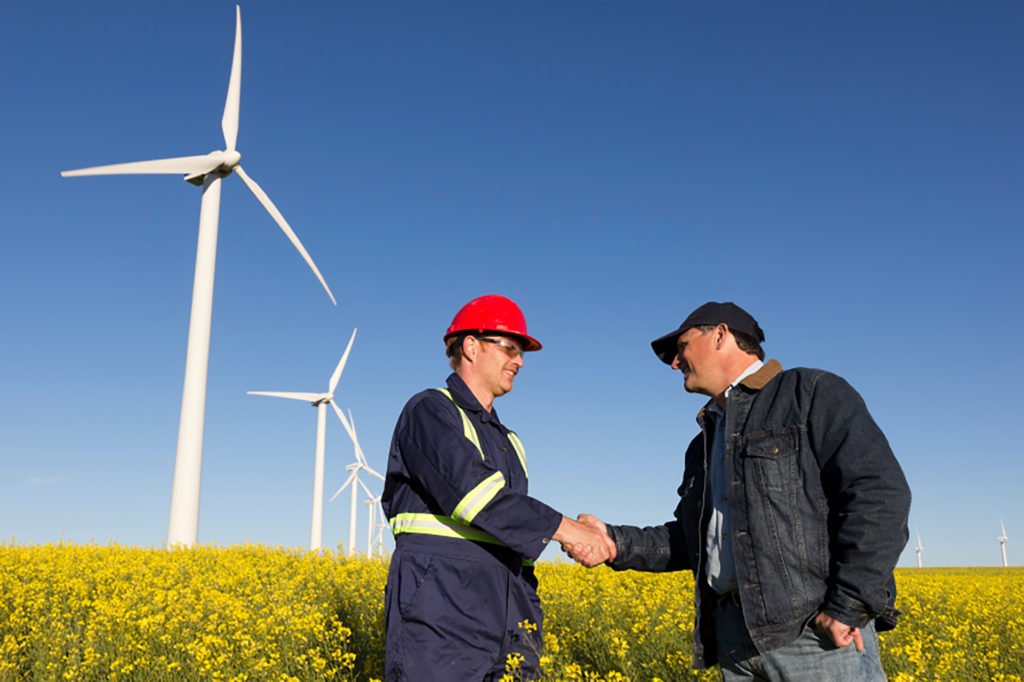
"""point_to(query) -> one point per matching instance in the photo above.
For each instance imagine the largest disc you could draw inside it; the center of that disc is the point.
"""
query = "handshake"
(585, 540)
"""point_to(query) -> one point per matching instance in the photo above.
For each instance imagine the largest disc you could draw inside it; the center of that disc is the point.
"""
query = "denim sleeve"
(652, 549)
(869, 502)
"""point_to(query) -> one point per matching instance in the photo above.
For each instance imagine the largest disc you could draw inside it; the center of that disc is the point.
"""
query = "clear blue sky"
(851, 174)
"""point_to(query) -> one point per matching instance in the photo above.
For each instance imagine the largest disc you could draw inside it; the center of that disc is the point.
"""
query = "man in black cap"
(792, 512)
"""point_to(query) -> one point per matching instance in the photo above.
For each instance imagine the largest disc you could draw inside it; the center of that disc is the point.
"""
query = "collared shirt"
(721, 566)
(433, 466)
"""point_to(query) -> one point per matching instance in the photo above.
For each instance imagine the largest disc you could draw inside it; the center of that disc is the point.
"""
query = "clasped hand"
(586, 540)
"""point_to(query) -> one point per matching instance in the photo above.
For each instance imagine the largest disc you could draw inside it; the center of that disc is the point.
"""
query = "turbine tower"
(320, 402)
(1002, 542)
(919, 550)
(353, 479)
(205, 170)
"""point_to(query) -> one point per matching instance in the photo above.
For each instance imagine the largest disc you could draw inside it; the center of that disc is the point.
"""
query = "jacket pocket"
(773, 460)
(778, 518)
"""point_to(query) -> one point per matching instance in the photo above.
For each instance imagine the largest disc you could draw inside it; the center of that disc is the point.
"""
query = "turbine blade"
(182, 165)
(229, 122)
(360, 457)
(283, 224)
(341, 365)
(365, 489)
(372, 472)
(343, 486)
(350, 429)
(308, 397)
(344, 422)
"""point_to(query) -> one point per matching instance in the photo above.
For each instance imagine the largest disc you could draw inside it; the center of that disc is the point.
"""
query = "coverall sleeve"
(440, 458)
(869, 502)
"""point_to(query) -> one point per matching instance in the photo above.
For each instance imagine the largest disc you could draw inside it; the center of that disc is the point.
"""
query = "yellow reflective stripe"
(477, 498)
(520, 450)
(468, 430)
(430, 524)
(527, 562)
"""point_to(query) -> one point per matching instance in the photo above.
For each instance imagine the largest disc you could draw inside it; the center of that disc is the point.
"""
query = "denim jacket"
(819, 511)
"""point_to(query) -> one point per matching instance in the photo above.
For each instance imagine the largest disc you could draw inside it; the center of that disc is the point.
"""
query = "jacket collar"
(761, 377)
(467, 401)
(753, 382)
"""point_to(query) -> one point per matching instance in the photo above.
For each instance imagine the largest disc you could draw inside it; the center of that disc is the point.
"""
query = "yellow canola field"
(73, 612)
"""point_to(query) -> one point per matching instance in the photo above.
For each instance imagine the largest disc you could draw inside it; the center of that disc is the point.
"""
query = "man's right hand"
(841, 634)
(586, 540)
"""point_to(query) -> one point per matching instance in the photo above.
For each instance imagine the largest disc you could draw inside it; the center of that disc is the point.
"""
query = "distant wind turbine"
(320, 402)
(1002, 541)
(919, 550)
(353, 480)
(206, 170)
(382, 525)
(373, 507)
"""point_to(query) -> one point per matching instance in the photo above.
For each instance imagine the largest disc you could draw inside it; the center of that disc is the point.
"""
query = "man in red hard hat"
(461, 593)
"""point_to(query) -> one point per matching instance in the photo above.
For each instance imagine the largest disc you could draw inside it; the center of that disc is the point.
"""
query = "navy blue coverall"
(466, 534)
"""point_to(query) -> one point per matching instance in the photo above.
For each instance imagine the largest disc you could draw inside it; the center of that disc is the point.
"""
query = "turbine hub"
(231, 158)
(226, 161)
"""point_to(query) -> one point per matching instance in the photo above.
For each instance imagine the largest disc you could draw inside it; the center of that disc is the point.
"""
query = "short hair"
(745, 342)
(453, 349)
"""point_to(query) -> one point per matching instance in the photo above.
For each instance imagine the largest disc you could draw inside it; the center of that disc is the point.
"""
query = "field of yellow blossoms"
(84, 612)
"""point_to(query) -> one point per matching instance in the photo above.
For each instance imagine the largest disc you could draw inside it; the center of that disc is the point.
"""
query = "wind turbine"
(919, 550)
(353, 479)
(320, 402)
(373, 504)
(1002, 541)
(382, 525)
(206, 170)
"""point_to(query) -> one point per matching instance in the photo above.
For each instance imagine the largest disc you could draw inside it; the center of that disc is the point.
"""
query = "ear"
(469, 347)
(720, 334)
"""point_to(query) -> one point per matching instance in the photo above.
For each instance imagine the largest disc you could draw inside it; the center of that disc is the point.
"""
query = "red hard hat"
(492, 313)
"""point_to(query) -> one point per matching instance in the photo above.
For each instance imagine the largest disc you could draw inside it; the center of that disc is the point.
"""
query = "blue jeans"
(811, 658)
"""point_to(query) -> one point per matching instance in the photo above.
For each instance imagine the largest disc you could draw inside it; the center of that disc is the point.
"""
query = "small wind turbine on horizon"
(919, 550)
(205, 170)
(320, 401)
(353, 479)
(1002, 542)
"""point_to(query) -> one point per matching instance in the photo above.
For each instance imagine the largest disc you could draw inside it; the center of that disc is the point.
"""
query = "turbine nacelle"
(226, 160)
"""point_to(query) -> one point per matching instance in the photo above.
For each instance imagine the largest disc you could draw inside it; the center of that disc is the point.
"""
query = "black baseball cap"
(728, 313)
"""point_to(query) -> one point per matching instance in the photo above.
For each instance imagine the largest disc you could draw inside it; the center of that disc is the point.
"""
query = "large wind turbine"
(1002, 541)
(320, 402)
(206, 170)
(353, 479)
(919, 550)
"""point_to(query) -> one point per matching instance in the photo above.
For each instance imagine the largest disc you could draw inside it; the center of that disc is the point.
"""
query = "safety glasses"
(512, 349)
